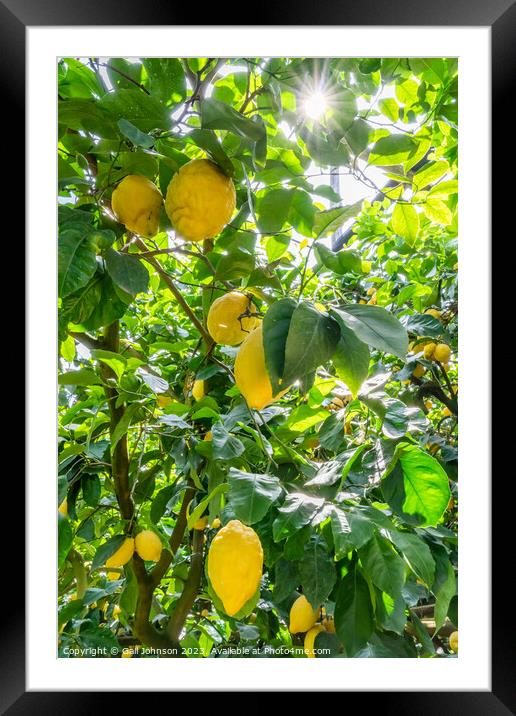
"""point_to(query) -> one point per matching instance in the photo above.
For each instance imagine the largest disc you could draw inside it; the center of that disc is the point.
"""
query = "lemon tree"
(258, 368)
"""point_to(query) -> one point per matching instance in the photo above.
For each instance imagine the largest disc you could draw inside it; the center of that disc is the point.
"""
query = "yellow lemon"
(372, 301)
(442, 353)
(114, 575)
(200, 200)
(205, 613)
(63, 507)
(428, 404)
(136, 203)
(310, 637)
(302, 615)
(418, 371)
(371, 291)
(446, 412)
(227, 323)
(201, 523)
(428, 350)
(251, 374)
(235, 562)
(208, 436)
(116, 610)
(216, 524)
(198, 390)
(362, 301)
(433, 312)
(454, 642)
(164, 400)
(127, 654)
(148, 545)
(122, 555)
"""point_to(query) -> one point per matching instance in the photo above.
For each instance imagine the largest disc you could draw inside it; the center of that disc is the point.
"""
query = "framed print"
(257, 256)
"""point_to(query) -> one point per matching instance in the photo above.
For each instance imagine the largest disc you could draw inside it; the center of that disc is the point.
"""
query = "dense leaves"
(349, 476)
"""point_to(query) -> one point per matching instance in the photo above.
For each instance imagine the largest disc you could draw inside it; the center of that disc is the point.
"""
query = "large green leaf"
(417, 553)
(375, 326)
(251, 494)
(383, 565)
(166, 79)
(416, 486)
(286, 579)
(142, 110)
(297, 510)
(275, 331)
(445, 584)
(127, 272)
(76, 261)
(351, 359)
(64, 538)
(311, 341)
(225, 445)
(272, 210)
(328, 221)
(391, 150)
(354, 617)
(405, 222)
(219, 115)
(317, 572)
(111, 304)
(83, 376)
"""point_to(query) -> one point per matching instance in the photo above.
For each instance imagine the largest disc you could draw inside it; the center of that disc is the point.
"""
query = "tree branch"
(192, 584)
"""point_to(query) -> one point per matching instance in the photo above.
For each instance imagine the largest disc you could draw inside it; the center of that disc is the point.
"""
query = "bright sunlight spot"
(316, 105)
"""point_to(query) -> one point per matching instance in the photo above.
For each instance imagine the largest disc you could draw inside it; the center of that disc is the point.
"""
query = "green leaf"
(429, 174)
(296, 511)
(354, 618)
(383, 565)
(422, 635)
(437, 211)
(225, 445)
(351, 359)
(388, 646)
(115, 361)
(272, 210)
(424, 325)
(340, 262)
(311, 341)
(143, 111)
(303, 418)
(445, 585)
(90, 485)
(405, 222)
(392, 150)
(301, 212)
(276, 247)
(122, 426)
(207, 139)
(106, 549)
(417, 554)
(111, 304)
(64, 538)
(329, 221)
(390, 613)
(76, 261)
(127, 272)
(286, 579)
(83, 376)
(219, 115)
(375, 326)
(406, 92)
(276, 324)
(317, 572)
(139, 139)
(389, 108)
(166, 79)
(251, 495)
(416, 486)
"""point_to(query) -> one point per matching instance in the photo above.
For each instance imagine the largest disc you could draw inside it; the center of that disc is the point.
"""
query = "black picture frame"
(500, 16)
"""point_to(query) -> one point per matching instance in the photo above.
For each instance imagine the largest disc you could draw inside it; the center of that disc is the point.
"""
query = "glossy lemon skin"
(122, 555)
(200, 200)
(302, 615)
(251, 374)
(148, 545)
(454, 642)
(198, 390)
(442, 353)
(136, 202)
(226, 325)
(235, 563)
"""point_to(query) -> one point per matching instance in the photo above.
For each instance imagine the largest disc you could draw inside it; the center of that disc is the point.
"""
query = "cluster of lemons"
(304, 618)
(200, 201)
